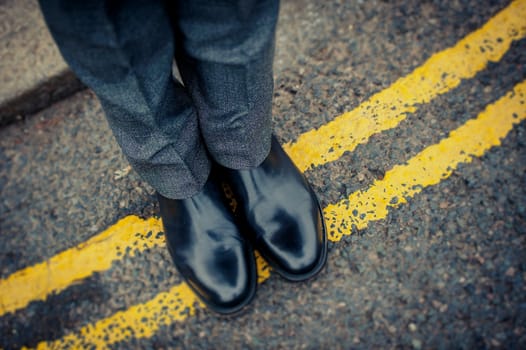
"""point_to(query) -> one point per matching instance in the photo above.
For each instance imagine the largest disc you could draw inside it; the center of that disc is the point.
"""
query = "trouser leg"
(225, 53)
(123, 50)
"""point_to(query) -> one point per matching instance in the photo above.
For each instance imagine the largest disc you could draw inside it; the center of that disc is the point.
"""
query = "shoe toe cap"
(297, 252)
(228, 284)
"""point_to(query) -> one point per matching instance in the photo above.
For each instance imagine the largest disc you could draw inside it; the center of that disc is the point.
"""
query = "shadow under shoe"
(282, 214)
(208, 249)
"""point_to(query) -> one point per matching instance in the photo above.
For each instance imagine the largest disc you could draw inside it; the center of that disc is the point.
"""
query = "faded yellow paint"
(36, 282)
(138, 321)
(439, 74)
(427, 168)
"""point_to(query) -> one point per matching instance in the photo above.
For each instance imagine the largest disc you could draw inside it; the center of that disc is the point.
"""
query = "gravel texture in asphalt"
(445, 270)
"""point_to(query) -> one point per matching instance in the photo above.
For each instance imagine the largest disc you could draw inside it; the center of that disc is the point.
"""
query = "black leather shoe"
(282, 214)
(208, 250)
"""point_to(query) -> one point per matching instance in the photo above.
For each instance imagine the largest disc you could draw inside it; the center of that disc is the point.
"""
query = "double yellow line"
(385, 110)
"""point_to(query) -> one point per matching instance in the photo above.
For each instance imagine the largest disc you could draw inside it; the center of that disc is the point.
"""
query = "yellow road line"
(442, 72)
(439, 74)
(429, 167)
(97, 254)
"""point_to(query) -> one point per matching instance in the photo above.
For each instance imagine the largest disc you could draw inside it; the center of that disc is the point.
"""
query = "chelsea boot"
(282, 214)
(208, 249)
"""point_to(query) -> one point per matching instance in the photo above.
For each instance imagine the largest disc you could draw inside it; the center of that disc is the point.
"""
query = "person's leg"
(226, 53)
(225, 56)
(123, 50)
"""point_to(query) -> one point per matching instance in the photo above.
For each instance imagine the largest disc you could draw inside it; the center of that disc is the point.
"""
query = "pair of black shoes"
(278, 214)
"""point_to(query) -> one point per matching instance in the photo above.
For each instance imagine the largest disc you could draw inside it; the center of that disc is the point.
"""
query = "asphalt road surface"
(408, 118)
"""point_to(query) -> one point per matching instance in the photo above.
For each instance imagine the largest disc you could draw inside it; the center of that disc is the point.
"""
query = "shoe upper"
(282, 214)
(208, 249)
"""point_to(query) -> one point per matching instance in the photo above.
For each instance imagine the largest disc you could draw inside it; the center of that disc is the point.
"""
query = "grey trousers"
(172, 133)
